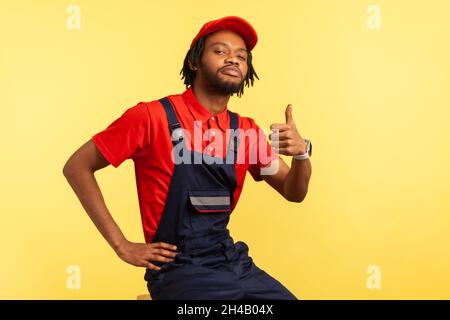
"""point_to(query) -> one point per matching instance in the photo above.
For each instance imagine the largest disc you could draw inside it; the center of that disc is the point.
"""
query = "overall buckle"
(176, 132)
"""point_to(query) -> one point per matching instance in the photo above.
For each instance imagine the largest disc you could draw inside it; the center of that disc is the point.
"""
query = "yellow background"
(375, 103)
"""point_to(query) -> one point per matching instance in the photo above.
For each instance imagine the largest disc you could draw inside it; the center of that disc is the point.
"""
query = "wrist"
(301, 156)
(120, 245)
(305, 155)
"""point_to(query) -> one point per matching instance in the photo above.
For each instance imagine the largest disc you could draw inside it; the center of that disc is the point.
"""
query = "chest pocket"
(210, 201)
(209, 214)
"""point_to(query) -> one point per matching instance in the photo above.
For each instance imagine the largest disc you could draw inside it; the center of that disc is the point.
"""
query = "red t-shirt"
(141, 133)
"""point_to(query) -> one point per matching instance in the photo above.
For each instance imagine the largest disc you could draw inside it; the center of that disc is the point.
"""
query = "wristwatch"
(308, 152)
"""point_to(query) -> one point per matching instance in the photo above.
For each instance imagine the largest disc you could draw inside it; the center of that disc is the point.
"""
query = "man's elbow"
(296, 197)
(68, 169)
(72, 167)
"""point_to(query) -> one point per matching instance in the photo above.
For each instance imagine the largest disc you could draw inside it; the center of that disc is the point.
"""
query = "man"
(187, 186)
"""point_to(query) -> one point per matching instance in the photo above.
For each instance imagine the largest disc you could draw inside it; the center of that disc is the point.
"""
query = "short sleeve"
(127, 137)
(264, 153)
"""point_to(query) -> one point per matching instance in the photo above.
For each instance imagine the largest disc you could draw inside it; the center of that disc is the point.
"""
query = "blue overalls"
(209, 264)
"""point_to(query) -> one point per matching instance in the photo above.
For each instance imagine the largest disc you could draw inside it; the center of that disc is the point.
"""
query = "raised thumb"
(288, 114)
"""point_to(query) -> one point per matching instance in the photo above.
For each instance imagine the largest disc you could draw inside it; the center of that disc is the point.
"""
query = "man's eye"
(218, 51)
(242, 58)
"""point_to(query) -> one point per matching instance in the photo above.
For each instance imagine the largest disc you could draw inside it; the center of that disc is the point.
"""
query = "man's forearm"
(296, 183)
(85, 186)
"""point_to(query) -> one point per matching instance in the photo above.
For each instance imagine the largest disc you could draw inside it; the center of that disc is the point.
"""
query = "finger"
(151, 266)
(281, 143)
(279, 127)
(155, 257)
(288, 115)
(163, 252)
(284, 150)
(165, 245)
(280, 135)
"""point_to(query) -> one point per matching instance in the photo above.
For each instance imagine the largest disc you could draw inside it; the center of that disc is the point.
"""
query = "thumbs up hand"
(285, 137)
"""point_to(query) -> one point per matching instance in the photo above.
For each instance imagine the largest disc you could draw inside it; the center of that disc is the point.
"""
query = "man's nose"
(232, 58)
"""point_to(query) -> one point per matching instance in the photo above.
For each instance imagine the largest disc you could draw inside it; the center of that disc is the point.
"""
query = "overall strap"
(174, 124)
(233, 144)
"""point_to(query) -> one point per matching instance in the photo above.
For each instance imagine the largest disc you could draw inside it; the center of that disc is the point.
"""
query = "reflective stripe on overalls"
(195, 218)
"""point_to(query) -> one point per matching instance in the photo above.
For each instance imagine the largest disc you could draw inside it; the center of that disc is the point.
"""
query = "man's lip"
(231, 72)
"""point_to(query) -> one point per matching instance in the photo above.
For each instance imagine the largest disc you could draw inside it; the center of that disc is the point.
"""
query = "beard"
(218, 85)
